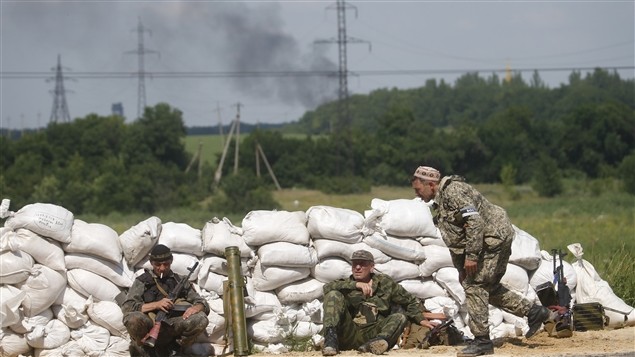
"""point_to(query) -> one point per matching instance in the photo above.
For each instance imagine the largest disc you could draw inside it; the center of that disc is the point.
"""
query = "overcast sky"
(280, 36)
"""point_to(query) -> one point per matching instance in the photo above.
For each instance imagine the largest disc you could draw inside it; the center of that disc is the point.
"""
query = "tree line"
(486, 129)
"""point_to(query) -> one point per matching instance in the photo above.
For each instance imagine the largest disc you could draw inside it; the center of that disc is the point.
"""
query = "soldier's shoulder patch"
(468, 211)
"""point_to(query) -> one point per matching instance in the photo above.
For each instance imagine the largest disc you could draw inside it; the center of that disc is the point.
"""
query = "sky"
(279, 59)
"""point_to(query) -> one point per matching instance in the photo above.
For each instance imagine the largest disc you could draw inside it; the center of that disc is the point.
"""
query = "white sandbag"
(261, 302)
(435, 240)
(287, 255)
(520, 323)
(220, 234)
(107, 314)
(51, 335)
(118, 273)
(326, 248)
(301, 291)
(544, 273)
(401, 217)
(211, 281)
(138, 240)
(12, 298)
(448, 278)
(88, 283)
(398, 270)
(423, 288)
(72, 315)
(94, 239)
(525, 250)
(495, 317)
(91, 338)
(592, 288)
(27, 324)
(334, 223)
(437, 257)
(15, 266)
(218, 265)
(331, 269)
(504, 330)
(119, 347)
(516, 279)
(181, 238)
(302, 329)
(42, 288)
(70, 296)
(13, 344)
(398, 248)
(265, 331)
(69, 349)
(45, 219)
(44, 251)
(180, 264)
(443, 305)
(262, 227)
(272, 277)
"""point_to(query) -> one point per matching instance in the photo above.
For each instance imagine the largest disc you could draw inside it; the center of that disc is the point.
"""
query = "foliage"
(627, 173)
(547, 180)
(243, 192)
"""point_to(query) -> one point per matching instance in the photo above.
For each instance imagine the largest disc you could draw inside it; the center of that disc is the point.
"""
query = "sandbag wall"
(62, 278)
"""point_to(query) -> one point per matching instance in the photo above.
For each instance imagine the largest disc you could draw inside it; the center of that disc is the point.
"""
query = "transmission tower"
(60, 107)
(141, 74)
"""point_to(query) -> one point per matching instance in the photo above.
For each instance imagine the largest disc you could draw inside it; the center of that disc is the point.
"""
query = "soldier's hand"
(164, 304)
(427, 323)
(366, 288)
(470, 267)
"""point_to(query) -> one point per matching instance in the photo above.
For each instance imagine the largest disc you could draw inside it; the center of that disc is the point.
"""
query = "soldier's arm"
(340, 285)
(465, 212)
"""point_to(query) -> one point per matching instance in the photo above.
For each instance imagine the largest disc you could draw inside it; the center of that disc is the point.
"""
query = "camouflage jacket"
(386, 293)
(468, 222)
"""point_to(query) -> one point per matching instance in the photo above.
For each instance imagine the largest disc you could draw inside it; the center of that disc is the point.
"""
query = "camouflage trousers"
(352, 335)
(139, 324)
(485, 288)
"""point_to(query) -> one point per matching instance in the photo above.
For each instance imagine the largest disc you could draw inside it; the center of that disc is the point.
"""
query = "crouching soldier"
(187, 316)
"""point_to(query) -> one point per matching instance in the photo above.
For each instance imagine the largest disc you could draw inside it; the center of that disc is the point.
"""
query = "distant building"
(117, 109)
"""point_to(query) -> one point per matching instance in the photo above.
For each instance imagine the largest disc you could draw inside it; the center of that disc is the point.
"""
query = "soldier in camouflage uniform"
(148, 294)
(479, 235)
(358, 310)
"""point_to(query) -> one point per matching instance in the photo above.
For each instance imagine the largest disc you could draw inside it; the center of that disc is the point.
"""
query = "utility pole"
(237, 135)
(141, 73)
(220, 125)
(59, 113)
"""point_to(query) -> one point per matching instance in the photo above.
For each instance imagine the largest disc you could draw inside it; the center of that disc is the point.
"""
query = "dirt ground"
(616, 343)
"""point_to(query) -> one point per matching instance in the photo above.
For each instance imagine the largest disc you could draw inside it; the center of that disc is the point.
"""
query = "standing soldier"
(479, 235)
(357, 310)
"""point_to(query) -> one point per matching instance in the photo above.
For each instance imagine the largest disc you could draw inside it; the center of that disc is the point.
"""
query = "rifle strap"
(165, 294)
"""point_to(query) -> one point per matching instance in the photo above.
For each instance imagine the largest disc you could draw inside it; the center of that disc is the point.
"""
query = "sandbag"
(516, 279)
(301, 291)
(272, 277)
(401, 218)
(398, 269)
(12, 298)
(42, 288)
(15, 266)
(544, 273)
(218, 234)
(91, 338)
(218, 265)
(118, 273)
(45, 219)
(326, 248)
(107, 314)
(27, 324)
(437, 257)
(211, 281)
(334, 223)
(398, 248)
(330, 269)
(138, 240)
(525, 250)
(88, 283)
(73, 315)
(181, 238)
(448, 278)
(423, 288)
(262, 227)
(51, 335)
(287, 255)
(44, 251)
(261, 301)
(94, 239)
(265, 331)
(13, 344)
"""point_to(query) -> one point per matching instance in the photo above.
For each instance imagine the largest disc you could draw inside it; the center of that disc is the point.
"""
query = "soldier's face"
(161, 268)
(361, 270)
(423, 189)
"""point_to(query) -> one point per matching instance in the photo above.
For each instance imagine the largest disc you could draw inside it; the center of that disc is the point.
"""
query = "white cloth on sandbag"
(117, 273)
(340, 224)
(180, 264)
(27, 324)
(327, 248)
(401, 217)
(516, 279)
(73, 315)
(448, 278)
(437, 257)
(15, 266)
(91, 338)
(12, 298)
(398, 269)
(287, 255)
(138, 240)
(218, 234)
(592, 288)
(262, 227)
(544, 273)
(42, 288)
(94, 239)
(271, 277)
(13, 344)
(423, 288)
(181, 238)
(52, 335)
(330, 269)
(45, 219)
(301, 291)
(398, 248)
(107, 314)
(525, 250)
(88, 283)
(265, 331)
(44, 251)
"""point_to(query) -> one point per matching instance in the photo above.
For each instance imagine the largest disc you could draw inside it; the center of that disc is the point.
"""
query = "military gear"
(330, 342)
(377, 345)
(589, 316)
(536, 316)
(363, 255)
(160, 253)
(481, 345)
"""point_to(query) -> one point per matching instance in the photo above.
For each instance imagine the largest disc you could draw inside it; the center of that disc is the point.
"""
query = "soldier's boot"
(377, 345)
(330, 342)
(536, 316)
(481, 345)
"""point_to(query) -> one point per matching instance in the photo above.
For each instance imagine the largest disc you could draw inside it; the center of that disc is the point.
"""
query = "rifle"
(151, 337)
(564, 294)
(435, 331)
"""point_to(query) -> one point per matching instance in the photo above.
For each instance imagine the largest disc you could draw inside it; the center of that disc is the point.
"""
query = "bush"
(627, 173)
(547, 178)
(242, 193)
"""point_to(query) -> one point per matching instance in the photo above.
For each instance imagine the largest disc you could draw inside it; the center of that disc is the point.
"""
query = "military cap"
(160, 253)
(363, 255)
